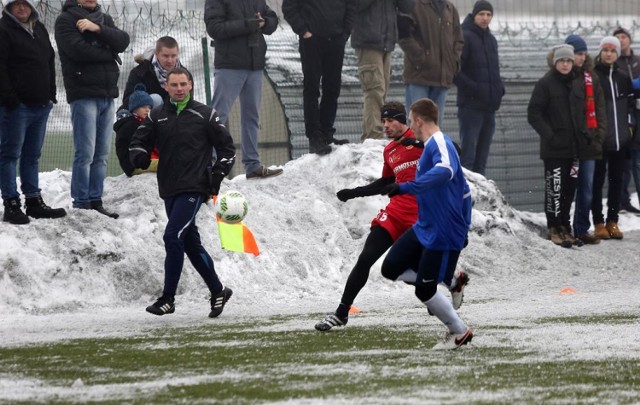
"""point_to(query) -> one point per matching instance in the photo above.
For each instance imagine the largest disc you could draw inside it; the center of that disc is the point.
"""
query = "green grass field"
(282, 359)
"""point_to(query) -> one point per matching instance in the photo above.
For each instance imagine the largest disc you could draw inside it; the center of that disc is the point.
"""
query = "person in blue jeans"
(27, 94)
(588, 100)
(89, 44)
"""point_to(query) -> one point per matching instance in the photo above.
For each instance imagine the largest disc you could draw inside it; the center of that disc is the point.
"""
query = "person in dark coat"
(550, 113)
(620, 102)
(89, 44)
(27, 95)
(480, 88)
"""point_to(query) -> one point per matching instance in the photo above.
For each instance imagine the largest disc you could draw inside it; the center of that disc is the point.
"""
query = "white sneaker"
(457, 292)
(452, 341)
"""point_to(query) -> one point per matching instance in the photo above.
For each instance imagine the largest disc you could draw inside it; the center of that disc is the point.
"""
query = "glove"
(391, 190)
(405, 25)
(139, 159)
(216, 180)
(412, 142)
(346, 194)
(253, 24)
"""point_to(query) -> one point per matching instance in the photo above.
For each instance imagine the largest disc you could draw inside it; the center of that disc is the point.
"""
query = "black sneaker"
(164, 305)
(331, 139)
(318, 144)
(218, 302)
(36, 208)
(630, 208)
(263, 172)
(330, 321)
(97, 206)
(13, 212)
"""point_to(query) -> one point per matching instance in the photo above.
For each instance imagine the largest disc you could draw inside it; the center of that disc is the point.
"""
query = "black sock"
(343, 310)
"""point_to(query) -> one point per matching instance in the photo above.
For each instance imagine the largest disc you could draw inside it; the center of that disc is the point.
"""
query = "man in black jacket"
(185, 132)
(89, 44)
(27, 94)
(323, 28)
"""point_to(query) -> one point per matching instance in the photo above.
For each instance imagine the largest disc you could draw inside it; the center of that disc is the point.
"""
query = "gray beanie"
(564, 51)
(608, 42)
(6, 3)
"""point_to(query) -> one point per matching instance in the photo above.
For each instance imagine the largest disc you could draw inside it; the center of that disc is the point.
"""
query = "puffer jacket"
(236, 46)
(89, 60)
(620, 104)
(375, 23)
(432, 52)
(590, 140)
(479, 84)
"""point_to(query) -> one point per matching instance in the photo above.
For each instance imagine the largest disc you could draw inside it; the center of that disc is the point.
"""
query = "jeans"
(92, 120)
(374, 72)
(436, 94)
(22, 135)
(476, 132)
(247, 84)
(631, 169)
(584, 196)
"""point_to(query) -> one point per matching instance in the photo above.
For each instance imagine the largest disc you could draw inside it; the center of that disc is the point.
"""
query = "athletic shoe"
(452, 341)
(457, 293)
(164, 305)
(330, 321)
(218, 302)
(263, 172)
(629, 208)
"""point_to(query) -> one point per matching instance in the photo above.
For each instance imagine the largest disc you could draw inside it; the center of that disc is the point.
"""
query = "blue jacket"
(444, 199)
(479, 84)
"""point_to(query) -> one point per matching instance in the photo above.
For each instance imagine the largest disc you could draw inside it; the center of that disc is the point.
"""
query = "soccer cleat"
(457, 292)
(218, 302)
(452, 341)
(164, 305)
(330, 321)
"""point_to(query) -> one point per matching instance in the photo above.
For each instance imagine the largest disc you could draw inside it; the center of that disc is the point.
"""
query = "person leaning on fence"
(140, 103)
(591, 123)
(480, 88)
(630, 63)
(373, 38)
(552, 116)
(89, 44)
(620, 103)
(152, 69)
(238, 28)
(185, 132)
(27, 94)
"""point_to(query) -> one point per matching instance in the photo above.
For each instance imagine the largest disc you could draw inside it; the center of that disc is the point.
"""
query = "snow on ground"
(89, 275)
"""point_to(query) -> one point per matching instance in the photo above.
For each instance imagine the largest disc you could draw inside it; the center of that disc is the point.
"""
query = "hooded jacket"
(27, 68)
(620, 104)
(479, 84)
(432, 52)
(89, 60)
(236, 45)
(375, 25)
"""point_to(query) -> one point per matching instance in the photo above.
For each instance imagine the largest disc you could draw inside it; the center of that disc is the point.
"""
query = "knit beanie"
(621, 30)
(481, 5)
(563, 51)
(579, 45)
(6, 3)
(610, 42)
(139, 97)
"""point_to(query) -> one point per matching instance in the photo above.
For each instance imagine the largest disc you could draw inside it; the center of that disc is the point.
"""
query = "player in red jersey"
(401, 157)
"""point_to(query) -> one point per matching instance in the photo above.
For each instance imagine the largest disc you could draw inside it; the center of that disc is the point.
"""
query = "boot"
(97, 206)
(36, 208)
(614, 231)
(318, 143)
(566, 234)
(556, 237)
(13, 213)
(331, 140)
(601, 232)
(588, 239)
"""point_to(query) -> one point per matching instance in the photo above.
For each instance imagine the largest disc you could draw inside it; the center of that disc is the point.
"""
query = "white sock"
(408, 276)
(441, 307)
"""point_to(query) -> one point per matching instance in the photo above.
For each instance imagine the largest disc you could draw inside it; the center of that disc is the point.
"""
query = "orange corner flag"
(236, 237)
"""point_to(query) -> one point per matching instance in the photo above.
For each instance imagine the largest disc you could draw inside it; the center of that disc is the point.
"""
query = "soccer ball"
(232, 207)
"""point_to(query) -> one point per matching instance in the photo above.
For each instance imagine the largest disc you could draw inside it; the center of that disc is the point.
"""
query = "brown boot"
(566, 234)
(556, 238)
(589, 239)
(601, 232)
(614, 231)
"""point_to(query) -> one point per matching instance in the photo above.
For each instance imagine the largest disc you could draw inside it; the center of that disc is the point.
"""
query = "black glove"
(405, 25)
(391, 190)
(412, 142)
(346, 194)
(253, 24)
(11, 103)
(140, 159)
(216, 180)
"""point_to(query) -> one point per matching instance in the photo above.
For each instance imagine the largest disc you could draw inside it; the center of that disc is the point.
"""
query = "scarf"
(96, 16)
(161, 73)
(592, 122)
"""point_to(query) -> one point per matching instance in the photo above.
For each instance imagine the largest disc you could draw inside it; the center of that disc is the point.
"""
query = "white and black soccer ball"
(232, 206)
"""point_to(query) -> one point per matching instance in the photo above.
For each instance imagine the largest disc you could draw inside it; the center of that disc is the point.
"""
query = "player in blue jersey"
(432, 246)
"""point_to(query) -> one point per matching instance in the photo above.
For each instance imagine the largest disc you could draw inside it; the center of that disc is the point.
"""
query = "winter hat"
(139, 97)
(391, 113)
(6, 3)
(481, 5)
(610, 42)
(563, 51)
(579, 45)
(621, 30)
